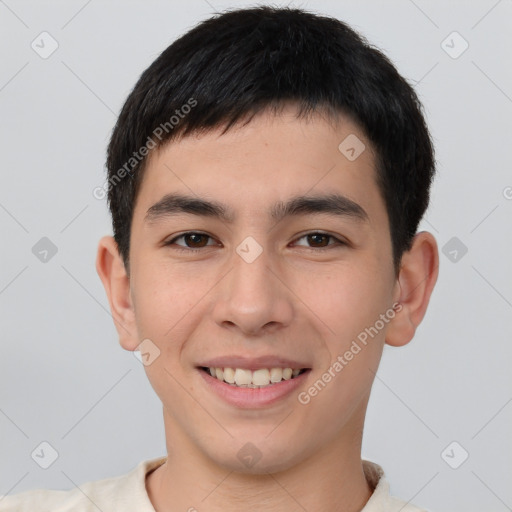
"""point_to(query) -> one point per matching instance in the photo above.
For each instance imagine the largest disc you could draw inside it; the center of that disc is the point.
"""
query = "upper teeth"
(256, 378)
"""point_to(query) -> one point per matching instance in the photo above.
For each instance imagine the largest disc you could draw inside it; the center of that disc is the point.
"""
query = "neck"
(329, 480)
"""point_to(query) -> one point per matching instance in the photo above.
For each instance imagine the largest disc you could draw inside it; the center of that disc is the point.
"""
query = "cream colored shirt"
(127, 493)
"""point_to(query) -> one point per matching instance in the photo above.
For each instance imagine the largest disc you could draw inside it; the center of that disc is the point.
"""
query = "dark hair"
(238, 63)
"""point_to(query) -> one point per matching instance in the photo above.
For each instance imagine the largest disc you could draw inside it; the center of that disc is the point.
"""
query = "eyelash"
(192, 249)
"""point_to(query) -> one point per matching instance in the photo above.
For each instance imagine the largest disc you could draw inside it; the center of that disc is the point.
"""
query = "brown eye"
(190, 241)
(319, 239)
(195, 240)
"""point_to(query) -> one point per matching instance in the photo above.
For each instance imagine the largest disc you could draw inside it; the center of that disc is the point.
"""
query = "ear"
(112, 272)
(418, 275)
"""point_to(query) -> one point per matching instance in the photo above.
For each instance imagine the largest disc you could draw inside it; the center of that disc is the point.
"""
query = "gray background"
(65, 380)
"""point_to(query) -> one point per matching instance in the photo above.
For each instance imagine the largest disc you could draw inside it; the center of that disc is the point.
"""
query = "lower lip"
(253, 398)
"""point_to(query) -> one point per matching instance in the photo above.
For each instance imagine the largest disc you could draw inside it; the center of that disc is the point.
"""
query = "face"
(289, 266)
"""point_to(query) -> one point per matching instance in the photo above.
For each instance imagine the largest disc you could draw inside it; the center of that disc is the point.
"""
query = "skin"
(295, 300)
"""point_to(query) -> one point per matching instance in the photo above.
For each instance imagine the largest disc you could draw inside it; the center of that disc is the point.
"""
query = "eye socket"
(325, 236)
(193, 236)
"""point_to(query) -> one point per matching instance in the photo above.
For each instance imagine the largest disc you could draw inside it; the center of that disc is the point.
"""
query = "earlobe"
(418, 275)
(112, 272)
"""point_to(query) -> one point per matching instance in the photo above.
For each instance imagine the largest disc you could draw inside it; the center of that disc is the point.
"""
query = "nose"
(253, 298)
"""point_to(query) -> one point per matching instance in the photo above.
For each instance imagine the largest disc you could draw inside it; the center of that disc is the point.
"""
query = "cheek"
(351, 303)
(163, 299)
(348, 299)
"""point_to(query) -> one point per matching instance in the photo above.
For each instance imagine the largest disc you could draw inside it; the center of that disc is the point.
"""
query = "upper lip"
(253, 363)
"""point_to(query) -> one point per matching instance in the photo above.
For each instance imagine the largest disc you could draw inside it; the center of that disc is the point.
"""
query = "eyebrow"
(332, 204)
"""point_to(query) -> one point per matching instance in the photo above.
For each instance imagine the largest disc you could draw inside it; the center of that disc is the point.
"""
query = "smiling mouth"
(262, 378)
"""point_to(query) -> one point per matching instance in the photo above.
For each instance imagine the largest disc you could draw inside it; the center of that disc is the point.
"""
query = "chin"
(255, 455)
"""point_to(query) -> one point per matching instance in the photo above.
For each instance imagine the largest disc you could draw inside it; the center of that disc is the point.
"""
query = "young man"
(267, 176)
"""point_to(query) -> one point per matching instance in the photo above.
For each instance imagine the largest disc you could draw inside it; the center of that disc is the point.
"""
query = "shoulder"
(114, 494)
(381, 500)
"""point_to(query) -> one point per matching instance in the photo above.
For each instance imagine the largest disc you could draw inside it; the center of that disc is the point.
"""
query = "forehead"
(274, 157)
